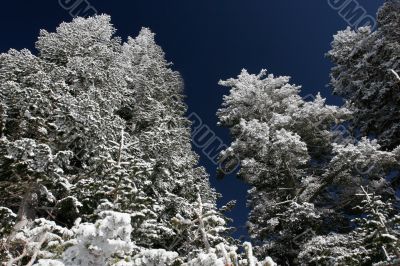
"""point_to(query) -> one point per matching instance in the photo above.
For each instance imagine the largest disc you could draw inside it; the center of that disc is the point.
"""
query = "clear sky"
(209, 40)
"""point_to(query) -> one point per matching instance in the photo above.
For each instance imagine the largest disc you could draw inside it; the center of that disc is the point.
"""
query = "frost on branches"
(97, 168)
(96, 161)
(276, 135)
(304, 178)
(366, 74)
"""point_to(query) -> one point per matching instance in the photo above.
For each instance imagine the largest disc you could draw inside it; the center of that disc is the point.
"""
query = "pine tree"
(90, 126)
(284, 143)
(304, 172)
(365, 73)
(375, 240)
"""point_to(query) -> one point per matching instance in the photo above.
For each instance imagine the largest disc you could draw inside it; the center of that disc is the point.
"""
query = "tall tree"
(303, 167)
(283, 143)
(365, 73)
(92, 125)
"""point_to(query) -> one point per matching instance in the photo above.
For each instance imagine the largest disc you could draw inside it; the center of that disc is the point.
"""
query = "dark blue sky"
(210, 40)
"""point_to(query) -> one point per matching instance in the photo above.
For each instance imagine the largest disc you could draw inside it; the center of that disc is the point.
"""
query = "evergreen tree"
(374, 241)
(284, 143)
(303, 173)
(366, 75)
(91, 126)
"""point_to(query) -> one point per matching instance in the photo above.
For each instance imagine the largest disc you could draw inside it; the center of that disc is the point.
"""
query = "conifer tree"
(303, 173)
(284, 143)
(365, 73)
(89, 126)
(374, 241)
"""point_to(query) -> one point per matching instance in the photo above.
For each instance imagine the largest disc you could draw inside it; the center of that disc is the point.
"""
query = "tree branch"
(395, 74)
(23, 254)
(42, 239)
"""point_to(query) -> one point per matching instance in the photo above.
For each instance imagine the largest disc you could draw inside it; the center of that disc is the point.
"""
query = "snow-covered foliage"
(40, 238)
(375, 240)
(91, 126)
(97, 244)
(282, 141)
(303, 176)
(108, 242)
(305, 167)
(97, 168)
(221, 257)
(365, 70)
(102, 243)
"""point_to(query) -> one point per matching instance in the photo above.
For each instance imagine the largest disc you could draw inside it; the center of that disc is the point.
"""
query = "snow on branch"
(395, 74)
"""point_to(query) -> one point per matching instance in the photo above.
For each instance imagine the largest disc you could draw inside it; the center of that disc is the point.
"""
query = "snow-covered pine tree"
(374, 241)
(34, 177)
(163, 136)
(366, 74)
(283, 143)
(380, 228)
(92, 125)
